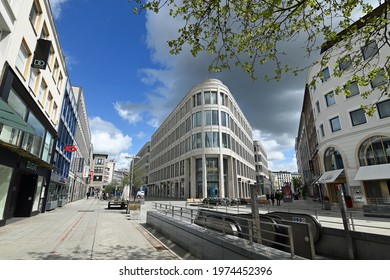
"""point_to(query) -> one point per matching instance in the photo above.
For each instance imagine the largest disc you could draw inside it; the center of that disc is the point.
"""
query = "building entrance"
(22, 196)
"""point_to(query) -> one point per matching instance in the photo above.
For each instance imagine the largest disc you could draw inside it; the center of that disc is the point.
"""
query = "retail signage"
(70, 148)
(41, 54)
(31, 165)
(86, 172)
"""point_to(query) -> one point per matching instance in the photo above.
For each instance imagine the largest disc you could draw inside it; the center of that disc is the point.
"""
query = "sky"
(131, 82)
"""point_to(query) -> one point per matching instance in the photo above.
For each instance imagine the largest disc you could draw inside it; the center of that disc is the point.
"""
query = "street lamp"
(131, 173)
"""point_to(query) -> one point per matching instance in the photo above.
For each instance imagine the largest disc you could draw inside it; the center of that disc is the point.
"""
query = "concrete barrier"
(206, 244)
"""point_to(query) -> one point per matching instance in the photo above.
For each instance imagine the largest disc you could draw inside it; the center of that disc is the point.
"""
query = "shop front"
(26, 146)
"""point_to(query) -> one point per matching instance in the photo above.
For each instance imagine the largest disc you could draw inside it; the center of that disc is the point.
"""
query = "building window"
(335, 124)
(222, 99)
(23, 55)
(197, 99)
(224, 119)
(384, 109)
(333, 159)
(370, 50)
(196, 119)
(214, 117)
(53, 114)
(32, 143)
(352, 89)
(318, 107)
(211, 139)
(45, 32)
(379, 80)
(330, 99)
(99, 161)
(48, 102)
(322, 130)
(197, 140)
(47, 149)
(325, 75)
(41, 91)
(33, 79)
(225, 140)
(375, 150)
(16, 103)
(345, 63)
(34, 14)
(358, 117)
(208, 139)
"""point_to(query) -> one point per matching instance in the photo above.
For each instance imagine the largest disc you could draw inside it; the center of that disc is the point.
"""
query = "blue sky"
(131, 82)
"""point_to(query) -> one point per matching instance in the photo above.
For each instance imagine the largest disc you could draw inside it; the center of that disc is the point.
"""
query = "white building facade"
(204, 148)
(353, 148)
(32, 83)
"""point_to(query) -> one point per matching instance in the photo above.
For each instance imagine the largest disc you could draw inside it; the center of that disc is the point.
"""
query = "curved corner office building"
(204, 148)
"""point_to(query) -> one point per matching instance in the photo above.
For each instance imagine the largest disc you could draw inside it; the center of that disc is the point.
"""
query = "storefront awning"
(9, 117)
(329, 176)
(373, 172)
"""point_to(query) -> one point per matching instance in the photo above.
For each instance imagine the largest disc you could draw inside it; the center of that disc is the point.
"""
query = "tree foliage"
(246, 33)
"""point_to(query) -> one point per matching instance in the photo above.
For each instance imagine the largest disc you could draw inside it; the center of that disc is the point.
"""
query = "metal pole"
(255, 214)
(351, 249)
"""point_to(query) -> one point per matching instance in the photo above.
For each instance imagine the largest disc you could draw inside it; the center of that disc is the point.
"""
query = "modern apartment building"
(32, 84)
(82, 156)
(142, 161)
(64, 152)
(261, 168)
(204, 148)
(280, 179)
(353, 148)
(99, 172)
(306, 144)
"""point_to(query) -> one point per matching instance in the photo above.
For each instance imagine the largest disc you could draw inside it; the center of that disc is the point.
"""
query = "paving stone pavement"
(82, 230)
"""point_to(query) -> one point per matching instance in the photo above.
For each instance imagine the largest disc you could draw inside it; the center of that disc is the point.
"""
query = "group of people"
(102, 195)
(274, 196)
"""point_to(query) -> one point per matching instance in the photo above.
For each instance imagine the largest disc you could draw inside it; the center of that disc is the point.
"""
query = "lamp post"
(131, 173)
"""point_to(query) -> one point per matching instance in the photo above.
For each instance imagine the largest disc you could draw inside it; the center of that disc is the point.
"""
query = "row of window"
(208, 139)
(177, 169)
(207, 97)
(197, 119)
(374, 150)
(353, 89)
(358, 117)
(39, 143)
(345, 63)
(37, 84)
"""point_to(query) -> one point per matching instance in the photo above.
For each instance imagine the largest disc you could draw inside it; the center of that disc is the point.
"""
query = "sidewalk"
(82, 230)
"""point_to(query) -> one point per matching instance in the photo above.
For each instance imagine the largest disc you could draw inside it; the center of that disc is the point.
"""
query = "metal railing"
(378, 201)
(248, 229)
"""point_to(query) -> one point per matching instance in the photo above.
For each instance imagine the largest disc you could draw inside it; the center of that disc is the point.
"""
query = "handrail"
(248, 227)
(379, 201)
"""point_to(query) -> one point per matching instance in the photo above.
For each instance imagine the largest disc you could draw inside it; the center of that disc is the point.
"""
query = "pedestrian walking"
(278, 198)
(273, 199)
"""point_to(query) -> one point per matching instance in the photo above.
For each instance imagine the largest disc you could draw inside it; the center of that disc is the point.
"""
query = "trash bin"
(348, 201)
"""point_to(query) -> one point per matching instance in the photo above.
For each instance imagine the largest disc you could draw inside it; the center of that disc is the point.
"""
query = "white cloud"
(142, 135)
(129, 112)
(108, 139)
(56, 7)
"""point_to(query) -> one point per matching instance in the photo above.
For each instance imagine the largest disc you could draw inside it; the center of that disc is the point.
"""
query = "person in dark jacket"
(277, 197)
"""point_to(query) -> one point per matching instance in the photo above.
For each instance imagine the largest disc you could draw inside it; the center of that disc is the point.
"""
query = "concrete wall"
(333, 244)
(208, 245)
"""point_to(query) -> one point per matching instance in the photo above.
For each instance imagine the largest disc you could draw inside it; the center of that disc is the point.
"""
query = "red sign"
(70, 148)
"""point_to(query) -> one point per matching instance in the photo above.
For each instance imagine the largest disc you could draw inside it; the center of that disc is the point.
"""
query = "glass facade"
(375, 150)
(5, 179)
